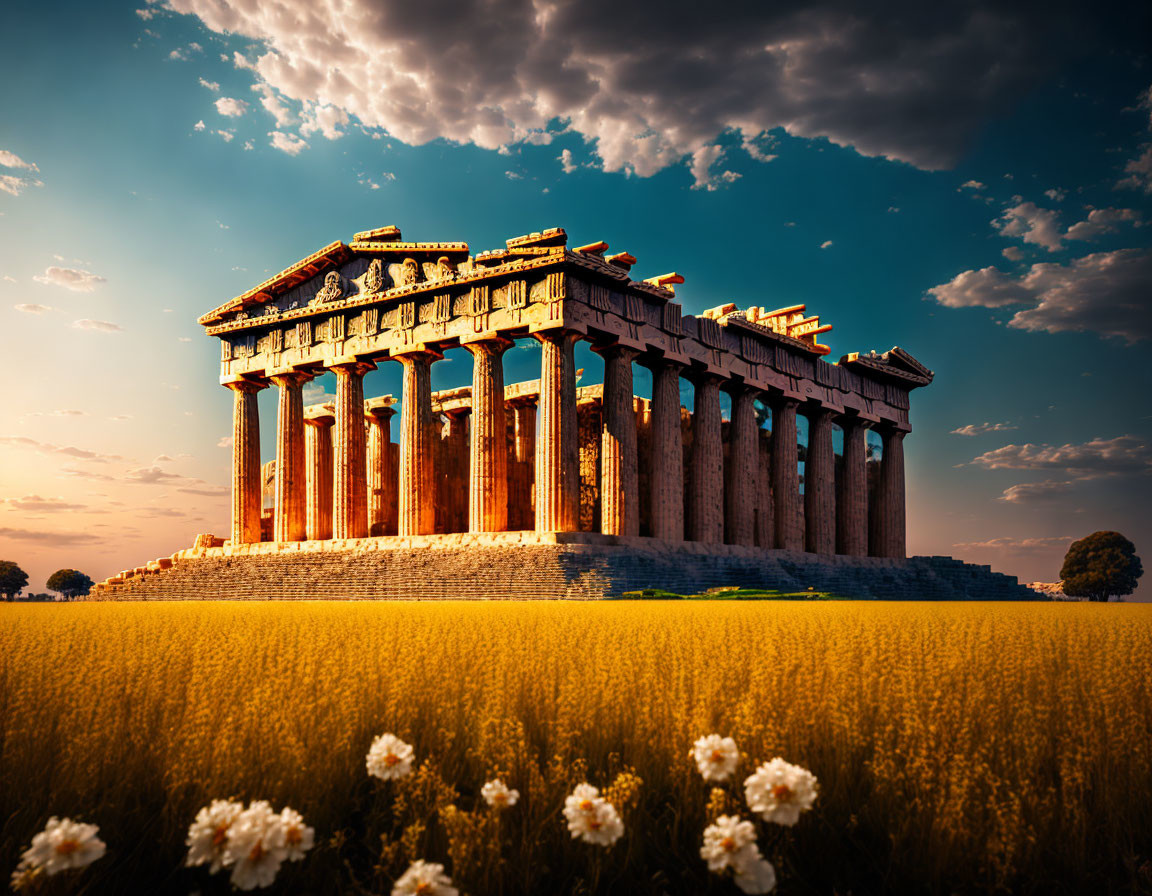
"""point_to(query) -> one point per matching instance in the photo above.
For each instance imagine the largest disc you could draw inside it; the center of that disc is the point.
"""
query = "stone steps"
(552, 571)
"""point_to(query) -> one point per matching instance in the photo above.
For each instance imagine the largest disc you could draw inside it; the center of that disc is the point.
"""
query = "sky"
(972, 183)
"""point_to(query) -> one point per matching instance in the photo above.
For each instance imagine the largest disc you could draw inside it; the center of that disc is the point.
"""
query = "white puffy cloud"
(566, 163)
(1106, 292)
(1033, 224)
(1099, 457)
(102, 326)
(974, 185)
(1032, 492)
(32, 308)
(231, 107)
(327, 120)
(70, 278)
(214, 86)
(199, 126)
(827, 244)
(1101, 221)
(1139, 171)
(288, 143)
(14, 186)
(274, 106)
(651, 89)
(37, 504)
(979, 429)
(1056, 194)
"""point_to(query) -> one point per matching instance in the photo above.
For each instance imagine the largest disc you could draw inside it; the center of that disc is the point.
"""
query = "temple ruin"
(593, 472)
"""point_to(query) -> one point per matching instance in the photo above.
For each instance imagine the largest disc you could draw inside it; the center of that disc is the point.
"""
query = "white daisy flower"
(716, 757)
(498, 795)
(756, 876)
(389, 757)
(424, 879)
(729, 843)
(63, 844)
(780, 792)
(592, 818)
(208, 835)
(298, 837)
(256, 847)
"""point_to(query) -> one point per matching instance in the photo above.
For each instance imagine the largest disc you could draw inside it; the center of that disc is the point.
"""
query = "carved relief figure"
(332, 290)
(409, 272)
(374, 279)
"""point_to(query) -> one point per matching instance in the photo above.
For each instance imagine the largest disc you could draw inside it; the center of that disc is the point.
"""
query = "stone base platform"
(536, 566)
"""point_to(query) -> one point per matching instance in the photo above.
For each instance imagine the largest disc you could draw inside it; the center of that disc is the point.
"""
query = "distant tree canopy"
(69, 582)
(12, 579)
(1101, 565)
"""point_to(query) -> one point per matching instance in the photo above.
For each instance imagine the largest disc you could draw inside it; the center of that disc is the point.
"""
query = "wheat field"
(959, 748)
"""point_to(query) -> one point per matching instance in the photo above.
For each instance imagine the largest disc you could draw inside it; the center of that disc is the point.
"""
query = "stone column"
(820, 484)
(246, 486)
(350, 489)
(785, 476)
(288, 516)
(667, 458)
(742, 487)
(557, 449)
(619, 483)
(380, 477)
(417, 486)
(764, 510)
(488, 450)
(852, 497)
(890, 524)
(318, 463)
(524, 423)
(706, 504)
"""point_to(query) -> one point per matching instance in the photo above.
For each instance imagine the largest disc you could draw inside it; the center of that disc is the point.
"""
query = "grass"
(960, 748)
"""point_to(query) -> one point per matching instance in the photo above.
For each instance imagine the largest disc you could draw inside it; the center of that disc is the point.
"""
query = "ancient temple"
(544, 458)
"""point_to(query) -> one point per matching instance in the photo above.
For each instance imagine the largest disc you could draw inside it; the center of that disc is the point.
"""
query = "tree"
(69, 582)
(1101, 565)
(12, 579)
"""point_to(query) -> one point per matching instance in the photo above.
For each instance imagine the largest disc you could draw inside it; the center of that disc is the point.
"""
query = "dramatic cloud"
(52, 539)
(231, 108)
(978, 429)
(288, 143)
(1107, 292)
(102, 326)
(1139, 172)
(1019, 545)
(70, 278)
(36, 504)
(650, 88)
(1100, 457)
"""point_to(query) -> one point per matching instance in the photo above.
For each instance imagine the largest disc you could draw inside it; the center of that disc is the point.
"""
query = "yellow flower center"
(728, 844)
(782, 792)
(220, 835)
(257, 853)
(423, 888)
(717, 755)
(67, 847)
(500, 799)
(391, 759)
(587, 806)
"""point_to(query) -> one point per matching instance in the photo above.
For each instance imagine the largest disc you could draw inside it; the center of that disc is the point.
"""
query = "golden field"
(959, 747)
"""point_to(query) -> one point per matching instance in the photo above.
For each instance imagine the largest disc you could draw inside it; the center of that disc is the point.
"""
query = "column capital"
(320, 414)
(290, 376)
(419, 351)
(850, 419)
(701, 375)
(783, 402)
(815, 410)
(616, 348)
(380, 408)
(490, 344)
(735, 387)
(556, 336)
(351, 365)
(891, 428)
(245, 385)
